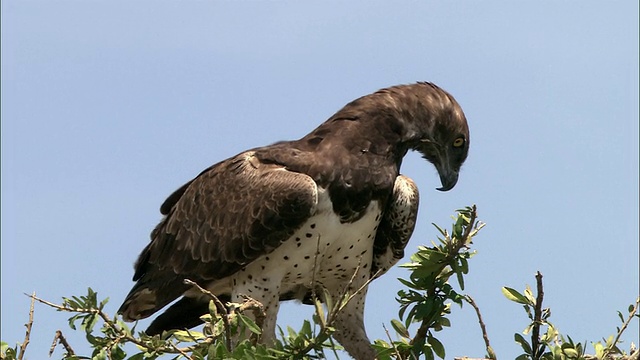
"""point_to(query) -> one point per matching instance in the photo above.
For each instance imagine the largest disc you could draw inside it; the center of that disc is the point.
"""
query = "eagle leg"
(350, 332)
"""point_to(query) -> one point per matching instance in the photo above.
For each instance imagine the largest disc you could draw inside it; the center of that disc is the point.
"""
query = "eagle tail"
(147, 297)
(184, 314)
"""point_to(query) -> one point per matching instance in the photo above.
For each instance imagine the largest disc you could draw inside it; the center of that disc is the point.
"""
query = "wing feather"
(233, 213)
(229, 215)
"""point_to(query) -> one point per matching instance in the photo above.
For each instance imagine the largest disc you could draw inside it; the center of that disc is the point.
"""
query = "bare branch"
(537, 318)
(395, 348)
(60, 339)
(28, 325)
(181, 351)
(485, 336)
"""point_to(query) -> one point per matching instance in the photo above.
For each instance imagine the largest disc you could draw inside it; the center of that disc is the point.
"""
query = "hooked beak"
(448, 178)
(440, 159)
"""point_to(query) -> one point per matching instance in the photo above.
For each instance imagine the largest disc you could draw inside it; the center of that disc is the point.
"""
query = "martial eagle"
(282, 221)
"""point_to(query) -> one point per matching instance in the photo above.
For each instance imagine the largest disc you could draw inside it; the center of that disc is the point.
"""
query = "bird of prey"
(283, 221)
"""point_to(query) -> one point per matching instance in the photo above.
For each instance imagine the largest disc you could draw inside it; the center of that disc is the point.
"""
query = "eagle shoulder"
(396, 225)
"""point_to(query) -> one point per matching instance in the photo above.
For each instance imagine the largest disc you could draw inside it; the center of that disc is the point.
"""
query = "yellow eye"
(458, 142)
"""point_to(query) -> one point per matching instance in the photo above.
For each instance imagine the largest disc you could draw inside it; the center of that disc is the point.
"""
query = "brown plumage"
(252, 224)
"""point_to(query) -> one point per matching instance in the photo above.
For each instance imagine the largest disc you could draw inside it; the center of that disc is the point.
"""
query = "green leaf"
(181, 335)
(529, 294)
(138, 356)
(407, 283)
(571, 353)
(428, 353)
(523, 343)
(441, 230)
(599, 350)
(464, 265)
(609, 341)
(515, 296)
(445, 322)
(437, 346)
(250, 324)
(321, 318)
(306, 329)
(460, 278)
(103, 303)
(400, 328)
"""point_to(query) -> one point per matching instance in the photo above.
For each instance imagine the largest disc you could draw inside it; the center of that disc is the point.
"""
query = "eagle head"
(434, 125)
(446, 144)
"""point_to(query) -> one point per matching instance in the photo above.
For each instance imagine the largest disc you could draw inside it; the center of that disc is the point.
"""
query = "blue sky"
(107, 107)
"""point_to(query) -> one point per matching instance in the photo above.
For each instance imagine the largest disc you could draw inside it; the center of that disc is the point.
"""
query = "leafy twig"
(124, 335)
(220, 306)
(258, 312)
(421, 334)
(632, 312)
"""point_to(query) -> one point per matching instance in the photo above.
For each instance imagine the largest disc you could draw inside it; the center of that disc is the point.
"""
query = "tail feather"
(184, 314)
(147, 297)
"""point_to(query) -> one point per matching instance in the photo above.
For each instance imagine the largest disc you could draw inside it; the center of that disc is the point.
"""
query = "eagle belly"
(323, 253)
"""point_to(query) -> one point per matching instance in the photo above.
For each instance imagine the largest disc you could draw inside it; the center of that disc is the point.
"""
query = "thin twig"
(28, 325)
(395, 348)
(483, 327)
(60, 339)
(220, 306)
(108, 322)
(342, 301)
(358, 290)
(181, 351)
(632, 313)
(122, 334)
(537, 317)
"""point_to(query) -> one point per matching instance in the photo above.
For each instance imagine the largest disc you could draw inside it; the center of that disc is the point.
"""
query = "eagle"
(317, 215)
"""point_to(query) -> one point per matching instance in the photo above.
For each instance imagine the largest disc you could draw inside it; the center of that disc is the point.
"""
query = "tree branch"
(220, 306)
(490, 353)
(537, 318)
(632, 313)
(59, 338)
(149, 346)
(28, 325)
